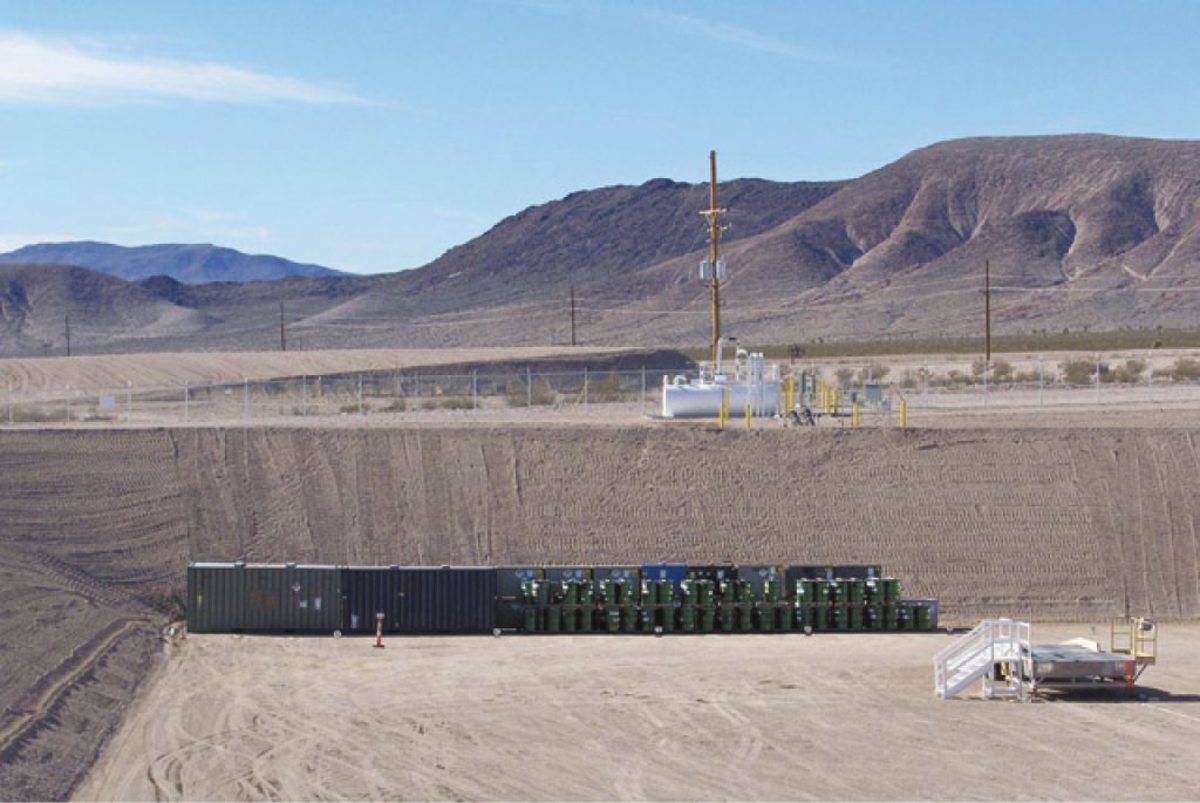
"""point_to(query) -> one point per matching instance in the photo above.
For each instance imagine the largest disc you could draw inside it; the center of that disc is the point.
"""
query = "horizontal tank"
(704, 400)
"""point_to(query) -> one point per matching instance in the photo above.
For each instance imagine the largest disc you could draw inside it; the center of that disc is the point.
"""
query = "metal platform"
(1074, 666)
(1000, 653)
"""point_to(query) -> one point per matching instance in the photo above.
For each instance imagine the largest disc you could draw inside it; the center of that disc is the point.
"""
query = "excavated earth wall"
(96, 528)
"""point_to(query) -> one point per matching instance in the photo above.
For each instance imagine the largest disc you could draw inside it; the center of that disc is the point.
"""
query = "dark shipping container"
(450, 599)
(216, 597)
(260, 598)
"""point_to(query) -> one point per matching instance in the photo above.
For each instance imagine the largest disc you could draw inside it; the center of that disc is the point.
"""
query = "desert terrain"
(834, 716)
(99, 524)
(54, 375)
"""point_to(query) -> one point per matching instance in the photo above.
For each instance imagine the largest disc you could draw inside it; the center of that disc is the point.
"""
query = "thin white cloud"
(49, 70)
(745, 38)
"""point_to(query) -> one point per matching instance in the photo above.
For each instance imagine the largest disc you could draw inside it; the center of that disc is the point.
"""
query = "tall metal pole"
(713, 213)
(572, 315)
(987, 313)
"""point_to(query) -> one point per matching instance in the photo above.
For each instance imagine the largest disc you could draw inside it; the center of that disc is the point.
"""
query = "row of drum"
(244, 597)
(761, 617)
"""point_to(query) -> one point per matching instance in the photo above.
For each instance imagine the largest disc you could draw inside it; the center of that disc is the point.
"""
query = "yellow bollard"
(748, 414)
(854, 418)
(789, 394)
(837, 401)
(903, 413)
(723, 408)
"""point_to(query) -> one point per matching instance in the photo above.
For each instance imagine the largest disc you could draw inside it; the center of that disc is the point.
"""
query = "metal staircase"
(976, 655)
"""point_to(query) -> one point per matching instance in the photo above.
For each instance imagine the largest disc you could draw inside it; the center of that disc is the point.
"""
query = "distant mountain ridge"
(190, 264)
(1080, 231)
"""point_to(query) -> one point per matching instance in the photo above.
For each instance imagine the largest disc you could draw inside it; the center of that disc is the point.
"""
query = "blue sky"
(372, 137)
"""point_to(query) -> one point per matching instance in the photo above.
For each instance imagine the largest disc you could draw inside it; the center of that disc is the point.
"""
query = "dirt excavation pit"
(583, 718)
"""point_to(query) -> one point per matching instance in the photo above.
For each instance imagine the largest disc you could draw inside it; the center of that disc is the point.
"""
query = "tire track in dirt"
(1099, 521)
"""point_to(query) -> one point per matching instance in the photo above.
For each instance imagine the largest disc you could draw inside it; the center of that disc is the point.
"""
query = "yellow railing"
(1136, 637)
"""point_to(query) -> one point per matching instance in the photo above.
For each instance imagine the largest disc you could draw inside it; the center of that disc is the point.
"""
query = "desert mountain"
(193, 264)
(1081, 230)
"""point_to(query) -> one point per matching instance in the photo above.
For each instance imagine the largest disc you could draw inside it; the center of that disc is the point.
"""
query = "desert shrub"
(1077, 372)
(352, 407)
(908, 379)
(606, 388)
(1025, 376)
(1130, 372)
(1002, 371)
(873, 372)
(844, 376)
(1186, 370)
(517, 395)
(456, 403)
(397, 405)
(978, 367)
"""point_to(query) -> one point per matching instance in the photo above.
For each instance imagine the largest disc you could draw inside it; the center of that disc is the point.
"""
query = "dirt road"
(844, 717)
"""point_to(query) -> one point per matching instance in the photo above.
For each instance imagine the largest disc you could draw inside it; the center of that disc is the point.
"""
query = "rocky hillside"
(1081, 231)
(193, 264)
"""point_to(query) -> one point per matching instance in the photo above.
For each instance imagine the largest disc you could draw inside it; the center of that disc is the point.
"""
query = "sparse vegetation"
(873, 372)
(397, 405)
(1078, 372)
(1034, 342)
(516, 394)
(608, 388)
(1129, 373)
(844, 376)
(1186, 370)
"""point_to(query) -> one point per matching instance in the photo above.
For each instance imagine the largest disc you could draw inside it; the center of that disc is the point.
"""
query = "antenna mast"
(713, 213)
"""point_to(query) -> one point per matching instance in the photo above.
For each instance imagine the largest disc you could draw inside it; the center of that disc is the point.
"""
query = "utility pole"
(987, 313)
(67, 326)
(713, 213)
(282, 335)
(572, 315)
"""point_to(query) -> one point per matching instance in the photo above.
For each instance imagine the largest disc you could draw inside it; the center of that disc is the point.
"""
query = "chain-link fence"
(874, 386)
(1029, 383)
(360, 394)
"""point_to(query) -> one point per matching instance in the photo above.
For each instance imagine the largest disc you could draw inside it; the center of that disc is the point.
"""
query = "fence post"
(528, 387)
(985, 382)
(585, 387)
(642, 398)
(1097, 379)
(360, 403)
(246, 397)
(475, 389)
(1041, 381)
(185, 400)
(925, 381)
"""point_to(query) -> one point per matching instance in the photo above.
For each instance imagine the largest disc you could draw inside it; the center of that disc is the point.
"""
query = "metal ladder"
(976, 654)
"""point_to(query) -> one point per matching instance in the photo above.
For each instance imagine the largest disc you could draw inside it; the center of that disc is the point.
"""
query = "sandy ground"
(96, 527)
(845, 717)
(105, 372)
